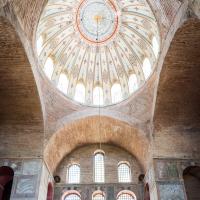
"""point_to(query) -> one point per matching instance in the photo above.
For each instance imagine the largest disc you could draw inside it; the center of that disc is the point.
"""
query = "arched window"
(73, 175)
(98, 195)
(155, 45)
(99, 167)
(80, 93)
(48, 68)
(72, 197)
(98, 96)
(146, 68)
(132, 83)
(39, 45)
(124, 172)
(116, 93)
(126, 195)
(63, 83)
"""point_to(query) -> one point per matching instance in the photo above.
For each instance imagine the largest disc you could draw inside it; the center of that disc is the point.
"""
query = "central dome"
(97, 21)
(97, 52)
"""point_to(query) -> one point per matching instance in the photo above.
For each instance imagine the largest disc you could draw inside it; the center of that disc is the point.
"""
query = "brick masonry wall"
(84, 156)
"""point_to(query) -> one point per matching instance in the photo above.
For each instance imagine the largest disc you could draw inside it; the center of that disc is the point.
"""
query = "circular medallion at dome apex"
(97, 52)
(97, 21)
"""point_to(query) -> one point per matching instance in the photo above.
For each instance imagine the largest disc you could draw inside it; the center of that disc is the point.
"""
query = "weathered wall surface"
(84, 156)
(26, 177)
(21, 124)
(177, 116)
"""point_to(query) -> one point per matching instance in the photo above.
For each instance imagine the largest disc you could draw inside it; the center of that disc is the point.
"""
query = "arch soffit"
(169, 75)
(84, 131)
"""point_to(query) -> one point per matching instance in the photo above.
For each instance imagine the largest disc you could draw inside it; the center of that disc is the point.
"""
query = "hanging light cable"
(98, 18)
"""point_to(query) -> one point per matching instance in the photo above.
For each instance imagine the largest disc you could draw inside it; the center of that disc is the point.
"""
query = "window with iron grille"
(99, 167)
(72, 197)
(74, 174)
(124, 173)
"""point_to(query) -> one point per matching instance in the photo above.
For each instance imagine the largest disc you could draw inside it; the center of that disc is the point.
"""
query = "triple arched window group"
(124, 171)
(100, 195)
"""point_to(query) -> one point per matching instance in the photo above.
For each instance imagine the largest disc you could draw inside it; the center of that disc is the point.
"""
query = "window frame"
(75, 94)
(113, 99)
(137, 84)
(39, 44)
(70, 192)
(147, 76)
(68, 168)
(128, 192)
(130, 171)
(45, 67)
(59, 84)
(94, 169)
(97, 193)
(155, 46)
(101, 97)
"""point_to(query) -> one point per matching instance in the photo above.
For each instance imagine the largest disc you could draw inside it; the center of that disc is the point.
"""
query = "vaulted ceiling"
(61, 116)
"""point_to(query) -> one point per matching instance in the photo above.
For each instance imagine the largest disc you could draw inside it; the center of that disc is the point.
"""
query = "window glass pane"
(124, 173)
(99, 168)
(155, 46)
(126, 197)
(48, 68)
(80, 93)
(133, 84)
(63, 83)
(74, 174)
(98, 197)
(98, 96)
(116, 93)
(72, 197)
(146, 68)
(39, 45)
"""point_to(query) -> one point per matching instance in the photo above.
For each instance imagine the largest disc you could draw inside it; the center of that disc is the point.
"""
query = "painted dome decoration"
(97, 52)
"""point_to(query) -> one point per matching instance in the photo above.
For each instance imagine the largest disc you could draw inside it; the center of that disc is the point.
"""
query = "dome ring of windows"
(96, 52)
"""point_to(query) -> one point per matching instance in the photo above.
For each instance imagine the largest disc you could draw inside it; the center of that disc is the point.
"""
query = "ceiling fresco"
(97, 52)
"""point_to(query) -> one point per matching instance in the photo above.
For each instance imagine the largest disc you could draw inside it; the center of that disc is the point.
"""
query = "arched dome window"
(72, 197)
(155, 45)
(132, 83)
(80, 93)
(98, 96)
(98, 59)
(124, 172)
(126, 195)
(39, 45)
(116, 93)
(98, 195)
(49, 68)
(146, 68)
(73, 175)
(99, 167)
(63, 83)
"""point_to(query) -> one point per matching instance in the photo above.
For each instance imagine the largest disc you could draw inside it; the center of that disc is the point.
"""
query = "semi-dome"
(97, 52)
